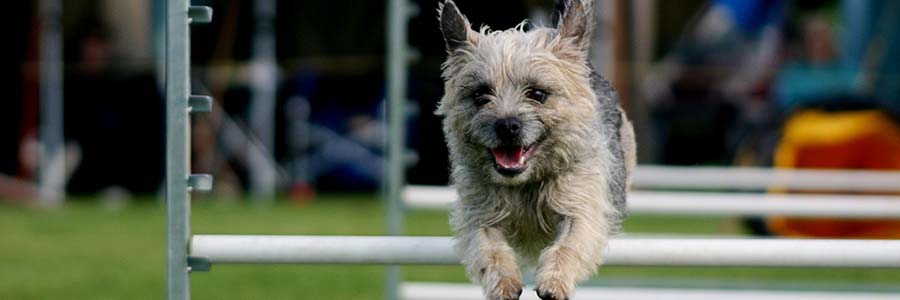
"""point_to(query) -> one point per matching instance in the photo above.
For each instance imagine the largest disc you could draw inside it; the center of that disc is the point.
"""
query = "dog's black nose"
(508, 129)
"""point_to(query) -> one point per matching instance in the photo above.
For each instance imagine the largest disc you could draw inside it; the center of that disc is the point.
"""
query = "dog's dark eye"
(481, 101)
(481, 96)
(538, 95)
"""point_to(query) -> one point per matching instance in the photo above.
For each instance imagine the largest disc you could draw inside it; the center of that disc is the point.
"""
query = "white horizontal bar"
(444, 291)
(428, 196)
(744, 204)
(733, 204)
(622, 251)
(649, 176)
(277, 249)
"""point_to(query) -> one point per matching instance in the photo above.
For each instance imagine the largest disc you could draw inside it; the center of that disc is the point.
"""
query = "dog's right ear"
(454, 26)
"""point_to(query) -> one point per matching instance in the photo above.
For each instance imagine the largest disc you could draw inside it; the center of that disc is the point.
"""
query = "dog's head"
(517, 102)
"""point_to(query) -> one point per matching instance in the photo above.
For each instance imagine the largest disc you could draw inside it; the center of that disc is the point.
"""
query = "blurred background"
(296, 140)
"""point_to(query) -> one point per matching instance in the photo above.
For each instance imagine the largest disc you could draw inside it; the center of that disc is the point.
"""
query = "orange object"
(866, 139)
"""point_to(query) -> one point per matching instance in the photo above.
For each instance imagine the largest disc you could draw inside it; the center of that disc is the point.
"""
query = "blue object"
(752, 15)
(802, 84)
(870, 43)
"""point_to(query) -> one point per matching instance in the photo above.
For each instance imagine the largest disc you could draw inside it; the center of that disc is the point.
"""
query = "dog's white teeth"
(521, 160)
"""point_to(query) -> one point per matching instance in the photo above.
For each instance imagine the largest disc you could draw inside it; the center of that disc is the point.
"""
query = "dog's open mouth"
(512, 160)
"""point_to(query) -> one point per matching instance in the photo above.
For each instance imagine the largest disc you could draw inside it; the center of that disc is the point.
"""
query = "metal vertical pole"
(52, 173)
(397, 55)
(177, 155)
(264, 79)
(179, 180)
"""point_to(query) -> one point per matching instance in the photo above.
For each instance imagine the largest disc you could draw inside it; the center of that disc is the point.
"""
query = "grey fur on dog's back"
(616, 126)
(557, 206)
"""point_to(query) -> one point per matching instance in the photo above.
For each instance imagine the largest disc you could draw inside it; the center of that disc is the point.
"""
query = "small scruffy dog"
(541, 152)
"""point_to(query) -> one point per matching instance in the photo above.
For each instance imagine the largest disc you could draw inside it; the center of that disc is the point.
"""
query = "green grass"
(87, 251)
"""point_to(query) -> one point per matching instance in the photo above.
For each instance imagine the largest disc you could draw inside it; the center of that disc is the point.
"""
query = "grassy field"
(89, 251)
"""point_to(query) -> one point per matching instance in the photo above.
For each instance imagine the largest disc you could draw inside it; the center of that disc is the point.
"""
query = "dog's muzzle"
(511, 157)
(508, 130)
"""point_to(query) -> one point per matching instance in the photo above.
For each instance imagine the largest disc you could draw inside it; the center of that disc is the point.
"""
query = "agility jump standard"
(205, 250)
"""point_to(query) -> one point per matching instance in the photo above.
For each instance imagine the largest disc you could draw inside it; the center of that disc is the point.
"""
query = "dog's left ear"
(575, 24)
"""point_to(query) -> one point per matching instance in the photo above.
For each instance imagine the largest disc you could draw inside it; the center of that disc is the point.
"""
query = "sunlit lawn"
(87, 251)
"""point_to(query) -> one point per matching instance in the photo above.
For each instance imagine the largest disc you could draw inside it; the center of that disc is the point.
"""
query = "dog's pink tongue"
(509, 157)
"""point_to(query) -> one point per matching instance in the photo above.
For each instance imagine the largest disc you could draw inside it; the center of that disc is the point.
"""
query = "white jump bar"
(691, 203)
(650, 176)
(261, 249)
(457, 291)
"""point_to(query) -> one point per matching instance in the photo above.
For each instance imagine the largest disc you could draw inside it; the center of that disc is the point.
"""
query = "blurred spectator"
(114, 116)
(706, 97)
(13, 189)
(836, 121)
(816, 76)
(341, 147)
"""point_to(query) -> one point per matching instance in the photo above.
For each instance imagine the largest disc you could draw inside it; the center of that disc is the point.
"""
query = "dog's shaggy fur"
(541, 151)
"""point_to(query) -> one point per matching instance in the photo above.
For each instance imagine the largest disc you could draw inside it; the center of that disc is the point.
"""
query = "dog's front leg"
(573, 256)
(491, 262)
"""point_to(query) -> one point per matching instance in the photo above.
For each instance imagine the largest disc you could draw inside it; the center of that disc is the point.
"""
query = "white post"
(264, 83)
(52, 158)
(398, 13)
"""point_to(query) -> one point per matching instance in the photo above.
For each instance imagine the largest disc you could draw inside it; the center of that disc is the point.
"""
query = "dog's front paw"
(554, 289)
(557, 273)
(500, 285)
(554, 282)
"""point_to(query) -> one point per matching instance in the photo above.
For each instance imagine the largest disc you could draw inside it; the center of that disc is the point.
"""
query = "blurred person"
(816, 76)
(705, 95)
(319, 153)
(114, 115)
(835, 122)
(15, 189)
(23, 188)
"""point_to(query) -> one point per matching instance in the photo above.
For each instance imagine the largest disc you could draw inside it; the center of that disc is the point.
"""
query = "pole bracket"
(199, 14)
(199, 264)
(200, 182)
(200, 103)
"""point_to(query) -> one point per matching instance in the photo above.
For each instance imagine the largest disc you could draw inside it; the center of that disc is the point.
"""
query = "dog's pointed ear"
(454, 26)
(574, 21)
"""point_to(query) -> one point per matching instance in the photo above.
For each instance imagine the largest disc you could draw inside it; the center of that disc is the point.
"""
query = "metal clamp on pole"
(198, 14)
(200, 182)
(200, 103)
(198, 264)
